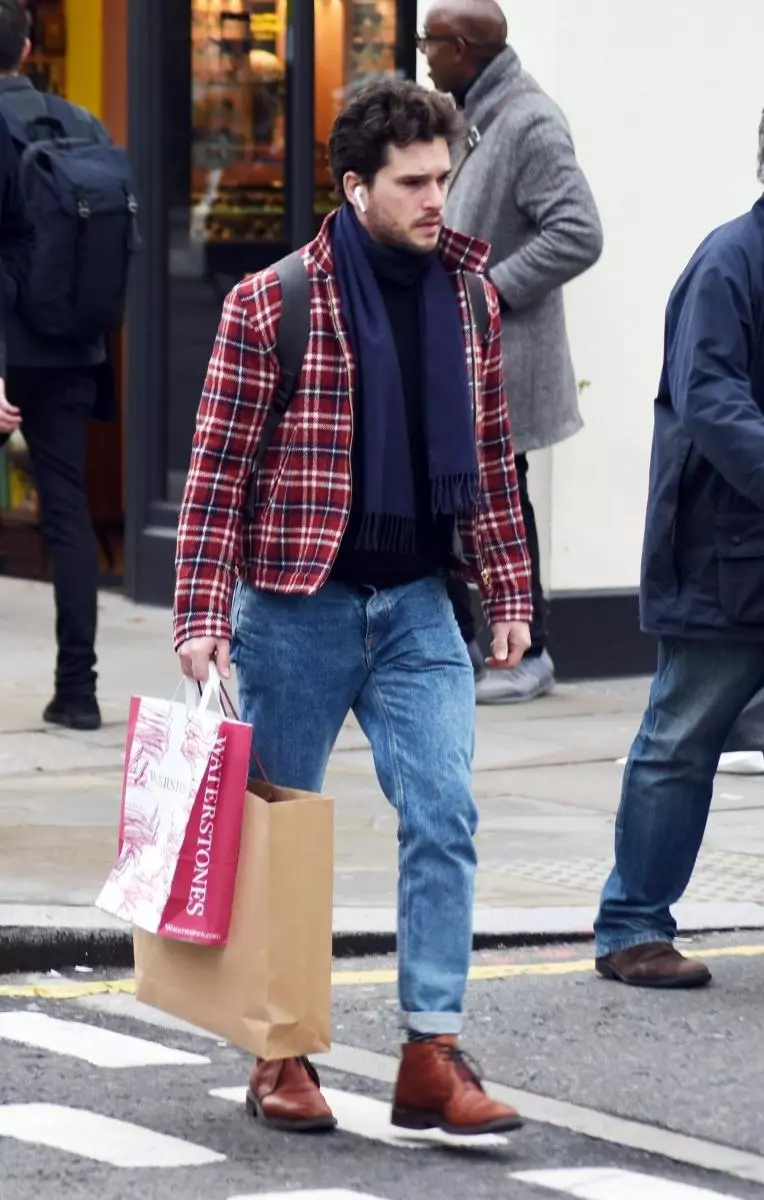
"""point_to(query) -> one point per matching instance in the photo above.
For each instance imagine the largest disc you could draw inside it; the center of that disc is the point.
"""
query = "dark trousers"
(56, 404)
(460, 593)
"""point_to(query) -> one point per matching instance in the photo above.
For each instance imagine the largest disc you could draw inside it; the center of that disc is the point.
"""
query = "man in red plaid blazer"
(391, 469)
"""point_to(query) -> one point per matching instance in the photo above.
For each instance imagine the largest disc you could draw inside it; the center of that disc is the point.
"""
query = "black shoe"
(74, 712)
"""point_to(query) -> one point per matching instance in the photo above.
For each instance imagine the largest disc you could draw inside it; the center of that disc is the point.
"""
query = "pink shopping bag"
(183, 791)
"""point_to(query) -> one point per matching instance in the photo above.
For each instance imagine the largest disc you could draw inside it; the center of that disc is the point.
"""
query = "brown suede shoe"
(285, 1094)
(438, 1089)
(653, 965)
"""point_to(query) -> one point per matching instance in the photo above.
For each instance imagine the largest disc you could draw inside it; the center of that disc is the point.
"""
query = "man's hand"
(197, 654)
(511, 640)
(10, 416)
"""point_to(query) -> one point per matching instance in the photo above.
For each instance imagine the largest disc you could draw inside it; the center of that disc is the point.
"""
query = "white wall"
(664, 98)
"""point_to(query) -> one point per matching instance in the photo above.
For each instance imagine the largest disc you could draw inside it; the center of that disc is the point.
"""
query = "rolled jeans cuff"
(438, 1023)
(615, 945)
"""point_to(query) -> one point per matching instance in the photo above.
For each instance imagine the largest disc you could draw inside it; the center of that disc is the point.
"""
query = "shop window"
(46, 65)
(226, 155)
(238, 137)
(355, 40)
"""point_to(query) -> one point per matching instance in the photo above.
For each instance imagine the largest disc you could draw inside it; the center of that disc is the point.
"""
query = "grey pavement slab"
(546, 781)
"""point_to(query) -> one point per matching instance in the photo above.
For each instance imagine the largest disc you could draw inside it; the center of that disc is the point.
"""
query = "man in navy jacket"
(702, 594)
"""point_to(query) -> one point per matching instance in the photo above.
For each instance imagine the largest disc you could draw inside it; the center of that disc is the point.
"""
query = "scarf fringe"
(383, 532)
(455, 493)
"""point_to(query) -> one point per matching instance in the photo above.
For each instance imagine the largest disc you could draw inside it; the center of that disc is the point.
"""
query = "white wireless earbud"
(360, 199)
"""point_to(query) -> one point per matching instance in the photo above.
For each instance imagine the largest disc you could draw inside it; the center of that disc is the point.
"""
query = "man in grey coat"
(517, 184)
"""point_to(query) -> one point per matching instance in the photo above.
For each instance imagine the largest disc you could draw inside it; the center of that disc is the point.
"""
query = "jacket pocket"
(739, 548)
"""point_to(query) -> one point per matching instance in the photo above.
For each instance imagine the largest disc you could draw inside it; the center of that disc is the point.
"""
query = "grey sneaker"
(533, 678)
(477, 660)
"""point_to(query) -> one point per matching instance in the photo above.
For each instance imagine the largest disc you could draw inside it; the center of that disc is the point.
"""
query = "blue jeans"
(699, 691)
(395, 658)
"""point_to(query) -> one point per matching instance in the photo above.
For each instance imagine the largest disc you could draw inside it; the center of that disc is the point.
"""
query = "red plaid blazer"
(304, 489)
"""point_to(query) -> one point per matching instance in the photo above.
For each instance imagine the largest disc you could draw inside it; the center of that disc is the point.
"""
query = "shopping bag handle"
(200, 695)
(197, 696)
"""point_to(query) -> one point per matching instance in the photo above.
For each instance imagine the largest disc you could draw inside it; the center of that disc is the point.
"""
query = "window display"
(46, 65)
(238, 147)
(238, 136)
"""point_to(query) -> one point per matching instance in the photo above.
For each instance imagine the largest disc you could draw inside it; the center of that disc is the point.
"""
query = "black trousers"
(56, 404)
(460, 593)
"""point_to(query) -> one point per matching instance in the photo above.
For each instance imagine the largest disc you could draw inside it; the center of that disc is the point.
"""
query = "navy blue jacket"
(703, 558)
(15, 230)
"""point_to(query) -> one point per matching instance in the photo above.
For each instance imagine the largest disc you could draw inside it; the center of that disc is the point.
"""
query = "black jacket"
(26, 347)
(15, 231)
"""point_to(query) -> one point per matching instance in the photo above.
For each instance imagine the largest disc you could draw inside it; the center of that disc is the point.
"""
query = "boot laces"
(312, 1072)
(467, 1067)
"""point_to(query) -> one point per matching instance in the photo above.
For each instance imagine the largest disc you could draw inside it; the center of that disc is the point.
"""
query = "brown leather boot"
(653, 965)
(438, 1089)
(285, 1094)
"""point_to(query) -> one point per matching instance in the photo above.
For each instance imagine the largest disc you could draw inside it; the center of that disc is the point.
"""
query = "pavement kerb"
(36, 949)
(44, 945)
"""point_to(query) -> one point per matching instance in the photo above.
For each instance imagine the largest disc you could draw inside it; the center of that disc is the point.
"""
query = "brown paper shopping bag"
(268, 989)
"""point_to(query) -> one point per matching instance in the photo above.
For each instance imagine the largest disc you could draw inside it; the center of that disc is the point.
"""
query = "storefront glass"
(226, 105)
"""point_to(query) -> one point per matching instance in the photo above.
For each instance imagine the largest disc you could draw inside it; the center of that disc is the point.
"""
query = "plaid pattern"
(304, 489)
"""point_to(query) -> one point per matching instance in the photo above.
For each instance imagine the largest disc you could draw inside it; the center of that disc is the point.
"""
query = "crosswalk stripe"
(331, 1194)
(618, 1131)
(97, 1046)
(101, 1139)
(606, 1184)
(369, 1118)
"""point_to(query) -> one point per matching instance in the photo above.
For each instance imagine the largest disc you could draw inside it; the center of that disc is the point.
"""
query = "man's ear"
(26, 51)
(350, 182)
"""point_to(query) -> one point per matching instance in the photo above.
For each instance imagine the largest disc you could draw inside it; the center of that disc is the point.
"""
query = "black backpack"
(292, 343)
(79, 197)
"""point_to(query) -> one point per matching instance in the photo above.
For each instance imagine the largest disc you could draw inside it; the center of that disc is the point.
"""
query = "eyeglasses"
(423, 40)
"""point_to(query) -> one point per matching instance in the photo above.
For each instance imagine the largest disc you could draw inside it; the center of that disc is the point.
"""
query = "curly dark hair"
(384, 113)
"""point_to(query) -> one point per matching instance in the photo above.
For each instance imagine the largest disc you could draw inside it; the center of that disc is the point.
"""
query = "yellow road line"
(70, 990)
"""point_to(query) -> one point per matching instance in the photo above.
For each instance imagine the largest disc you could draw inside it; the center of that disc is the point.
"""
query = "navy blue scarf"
(389, 503)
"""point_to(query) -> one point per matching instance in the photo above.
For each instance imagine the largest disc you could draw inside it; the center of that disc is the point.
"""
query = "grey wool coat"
(522, 190)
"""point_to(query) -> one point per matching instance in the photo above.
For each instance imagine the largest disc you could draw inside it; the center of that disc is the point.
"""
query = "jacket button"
(737, 540)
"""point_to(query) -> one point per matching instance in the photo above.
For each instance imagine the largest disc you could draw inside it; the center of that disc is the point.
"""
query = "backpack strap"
(478, 131)
(291, 346)
(481, 318)
(34, 116)
(76, 122)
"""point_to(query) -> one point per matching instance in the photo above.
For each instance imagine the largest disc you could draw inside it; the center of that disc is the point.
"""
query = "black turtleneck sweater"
(434, 536)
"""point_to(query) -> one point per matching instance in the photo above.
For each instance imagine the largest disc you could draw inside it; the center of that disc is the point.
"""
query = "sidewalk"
(546, 781)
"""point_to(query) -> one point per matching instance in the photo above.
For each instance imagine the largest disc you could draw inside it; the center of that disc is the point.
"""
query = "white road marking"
(101, 1139)
(331, 1194)
(614, 1185)
(618, 1131)
(369, 1118)
(100, 1047)
(121, 1004)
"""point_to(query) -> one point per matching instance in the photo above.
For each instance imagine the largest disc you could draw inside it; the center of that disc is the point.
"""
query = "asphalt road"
(687, 1063)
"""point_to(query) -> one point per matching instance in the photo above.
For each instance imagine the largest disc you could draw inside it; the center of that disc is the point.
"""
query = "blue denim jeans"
(397, 659)
(699, 691)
